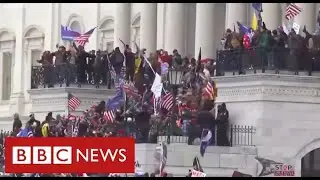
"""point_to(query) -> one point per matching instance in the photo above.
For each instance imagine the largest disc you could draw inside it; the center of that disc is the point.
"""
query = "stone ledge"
(181, 147)
(60, 90)
(268, 87)
(173, 139)
(182, 155)
(55, 99)
(268, 77)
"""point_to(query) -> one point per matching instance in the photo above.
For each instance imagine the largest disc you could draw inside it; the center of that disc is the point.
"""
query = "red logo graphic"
(283, 170)
(69, 155)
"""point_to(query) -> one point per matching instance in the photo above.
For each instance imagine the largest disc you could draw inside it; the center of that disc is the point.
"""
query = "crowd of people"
(135, 118)
(75, 65)
(269, 50)
(194, 109)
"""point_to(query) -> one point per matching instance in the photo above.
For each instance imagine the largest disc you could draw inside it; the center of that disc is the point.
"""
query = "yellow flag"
(137, 64)
(254, 22)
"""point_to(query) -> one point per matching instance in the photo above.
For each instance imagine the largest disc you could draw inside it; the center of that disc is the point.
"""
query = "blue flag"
(68, 34)
(205, 141)
(26, 132)
(257, 7)
(242, 28)
(116, 101)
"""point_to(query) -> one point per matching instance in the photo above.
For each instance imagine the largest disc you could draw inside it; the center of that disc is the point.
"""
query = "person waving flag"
(248, 34)
(205, 141)
(84, 38)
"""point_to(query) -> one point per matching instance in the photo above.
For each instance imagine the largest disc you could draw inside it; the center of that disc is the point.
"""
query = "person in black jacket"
(142, 123)
(17, 124)
(60, 64)
(205, 119)
(36, 129)
(100, 108)
(81, 62)
(117, 60)
(130, 63)
(222, 125)
(89, 67)
(105, 69)
(97, 68)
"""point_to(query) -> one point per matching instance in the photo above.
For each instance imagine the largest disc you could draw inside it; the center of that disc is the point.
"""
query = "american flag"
(131, 91)
(109, 115)
(167, 101)
(209, 90)
(73, 102)
(292, 11)
(84, 38)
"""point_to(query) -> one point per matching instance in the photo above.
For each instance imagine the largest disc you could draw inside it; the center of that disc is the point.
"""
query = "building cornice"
(55, 99)
(67, 90)
(268, 87)
(279, 78)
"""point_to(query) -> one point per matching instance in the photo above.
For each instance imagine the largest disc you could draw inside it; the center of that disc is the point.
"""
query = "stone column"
(174, 28)
(317, 26)
(271, 15)
(148, 27)
(317, 5)
(18, 89)
(236, 12)
(122, 25)
(306, 17)
(205, 30)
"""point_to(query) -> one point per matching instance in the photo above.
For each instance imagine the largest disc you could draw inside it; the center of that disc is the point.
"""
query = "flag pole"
(161, 160)
(67, 105)
(125, 103)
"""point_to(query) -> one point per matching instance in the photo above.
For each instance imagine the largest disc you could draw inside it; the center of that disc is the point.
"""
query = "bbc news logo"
(69, 155)
(282, 170)
(62, 155)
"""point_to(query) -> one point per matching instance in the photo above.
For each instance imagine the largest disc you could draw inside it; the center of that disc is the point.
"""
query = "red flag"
(246, 41)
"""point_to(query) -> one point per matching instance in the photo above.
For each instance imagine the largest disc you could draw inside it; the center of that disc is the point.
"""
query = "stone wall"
(283, 108)
(56, 99)
(217, 161)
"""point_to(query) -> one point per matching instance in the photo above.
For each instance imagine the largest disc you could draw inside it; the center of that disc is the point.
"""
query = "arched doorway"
(310, 164)
(106, 34)
(7, 50)
(75, 26)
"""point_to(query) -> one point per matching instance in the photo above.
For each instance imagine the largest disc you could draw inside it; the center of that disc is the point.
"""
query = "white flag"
(157, 86)
(285, 29)
(296, 27)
